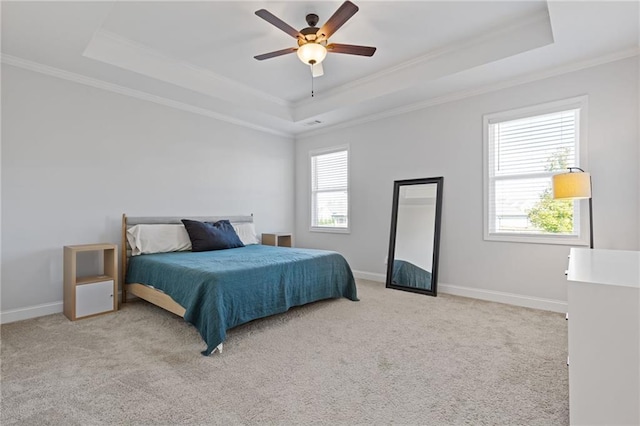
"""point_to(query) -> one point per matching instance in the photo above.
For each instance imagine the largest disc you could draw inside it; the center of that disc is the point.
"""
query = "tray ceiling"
(200, 54)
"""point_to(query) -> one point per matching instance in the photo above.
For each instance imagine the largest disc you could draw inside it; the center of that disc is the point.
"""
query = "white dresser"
(604, 337)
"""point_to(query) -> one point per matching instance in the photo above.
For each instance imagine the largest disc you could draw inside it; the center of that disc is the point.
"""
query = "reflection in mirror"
(415, 235)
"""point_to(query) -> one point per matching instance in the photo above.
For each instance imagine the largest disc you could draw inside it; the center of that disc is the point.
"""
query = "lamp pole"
(591, 214)
(590, 206)
(591, 223)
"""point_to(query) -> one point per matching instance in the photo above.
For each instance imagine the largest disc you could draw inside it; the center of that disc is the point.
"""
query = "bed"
(218, 290)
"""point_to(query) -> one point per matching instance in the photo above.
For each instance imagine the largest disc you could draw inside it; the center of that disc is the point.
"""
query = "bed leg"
(218, 348)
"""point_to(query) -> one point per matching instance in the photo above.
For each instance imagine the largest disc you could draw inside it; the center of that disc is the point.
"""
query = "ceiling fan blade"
(317, 70)
(342, 15)
(275, 53)
(274, 20)
(351, 49)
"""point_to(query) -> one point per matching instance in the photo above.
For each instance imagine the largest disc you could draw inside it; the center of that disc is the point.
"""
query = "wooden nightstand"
(90, 295)
(280, 239)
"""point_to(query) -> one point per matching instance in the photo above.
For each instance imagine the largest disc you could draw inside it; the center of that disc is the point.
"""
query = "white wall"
(446, 140)
(74, 158)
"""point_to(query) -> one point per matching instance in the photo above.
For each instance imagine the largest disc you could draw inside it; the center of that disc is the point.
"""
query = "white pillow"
(147, 239)
(246, 232)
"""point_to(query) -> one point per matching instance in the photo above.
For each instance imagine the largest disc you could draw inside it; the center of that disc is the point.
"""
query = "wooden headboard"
(129, 221)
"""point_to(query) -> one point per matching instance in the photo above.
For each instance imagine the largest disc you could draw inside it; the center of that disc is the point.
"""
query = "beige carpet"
(394, 357)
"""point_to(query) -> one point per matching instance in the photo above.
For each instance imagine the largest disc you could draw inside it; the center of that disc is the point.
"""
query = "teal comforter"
(407, 274)
(225, 288)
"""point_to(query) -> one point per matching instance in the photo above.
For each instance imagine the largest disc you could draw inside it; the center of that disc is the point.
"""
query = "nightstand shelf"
(92, 279)
(91, 295)
(278, 239)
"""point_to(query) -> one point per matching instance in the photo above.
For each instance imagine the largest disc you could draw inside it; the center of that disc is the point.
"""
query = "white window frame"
(581, 213)
(327, 229)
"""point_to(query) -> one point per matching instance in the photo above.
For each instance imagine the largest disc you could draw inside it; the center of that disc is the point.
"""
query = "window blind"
(523, 155)
(330, 190)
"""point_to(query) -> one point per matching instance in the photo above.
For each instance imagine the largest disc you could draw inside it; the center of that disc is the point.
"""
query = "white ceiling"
(199, 55)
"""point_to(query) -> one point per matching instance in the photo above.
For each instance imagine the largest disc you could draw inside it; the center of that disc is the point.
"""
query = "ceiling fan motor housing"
(310, 33)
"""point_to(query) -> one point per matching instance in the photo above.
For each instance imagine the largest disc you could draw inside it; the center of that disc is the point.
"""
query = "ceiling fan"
(312, 41)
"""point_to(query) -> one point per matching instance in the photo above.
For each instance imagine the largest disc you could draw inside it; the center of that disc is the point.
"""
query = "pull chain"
(312, 81)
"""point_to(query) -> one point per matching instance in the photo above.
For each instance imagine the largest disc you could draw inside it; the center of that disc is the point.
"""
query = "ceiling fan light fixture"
(312, 53)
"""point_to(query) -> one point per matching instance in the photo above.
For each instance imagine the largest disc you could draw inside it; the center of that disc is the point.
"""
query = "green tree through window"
(548, 214)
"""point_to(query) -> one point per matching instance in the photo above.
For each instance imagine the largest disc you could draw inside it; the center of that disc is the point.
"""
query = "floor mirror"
(412, 264)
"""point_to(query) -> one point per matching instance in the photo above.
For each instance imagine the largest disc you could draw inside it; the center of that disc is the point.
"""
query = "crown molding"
(463, 94)
(100, 84)
(138, 94)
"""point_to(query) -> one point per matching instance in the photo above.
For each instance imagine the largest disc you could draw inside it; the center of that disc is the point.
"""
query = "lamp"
(575, 185)
(312, 53)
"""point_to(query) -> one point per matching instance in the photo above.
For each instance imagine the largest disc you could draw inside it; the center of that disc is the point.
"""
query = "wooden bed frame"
(143, 291)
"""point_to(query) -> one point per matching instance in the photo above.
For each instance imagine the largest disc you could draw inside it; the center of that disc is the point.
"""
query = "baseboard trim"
(382, 278)
(483, 294)
(13, 315)
(502, 297)
(36, 311)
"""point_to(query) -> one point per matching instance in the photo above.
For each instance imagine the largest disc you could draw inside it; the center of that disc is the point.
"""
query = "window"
(330, 190)
(523, 150)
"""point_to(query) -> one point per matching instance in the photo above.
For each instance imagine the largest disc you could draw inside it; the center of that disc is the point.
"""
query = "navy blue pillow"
(206, 236)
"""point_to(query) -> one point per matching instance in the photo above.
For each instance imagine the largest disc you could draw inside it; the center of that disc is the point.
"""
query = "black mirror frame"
(439, 181)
